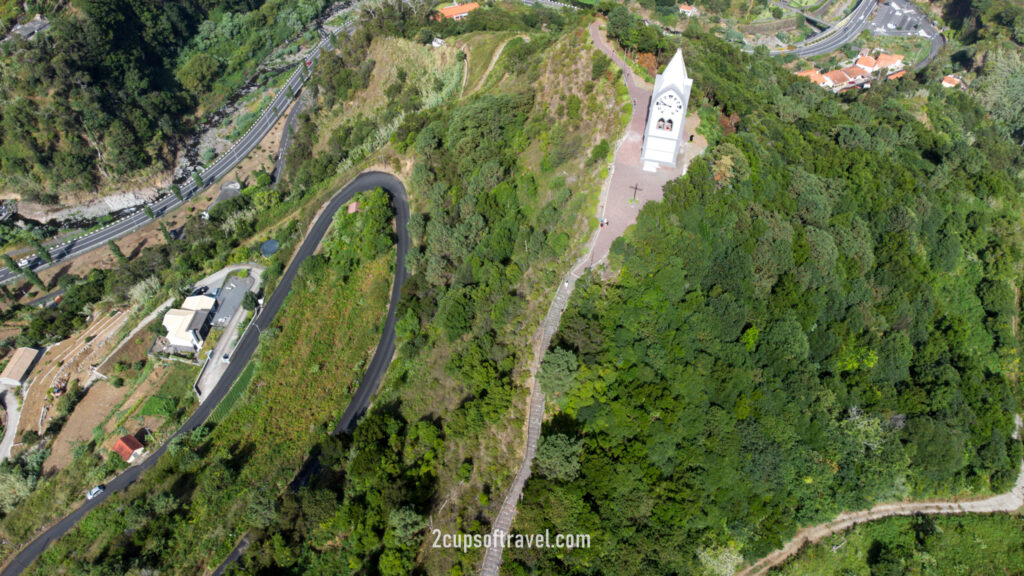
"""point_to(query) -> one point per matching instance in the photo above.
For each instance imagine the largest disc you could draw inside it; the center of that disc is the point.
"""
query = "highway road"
(227, 162)
(836, 37)
(247, 346)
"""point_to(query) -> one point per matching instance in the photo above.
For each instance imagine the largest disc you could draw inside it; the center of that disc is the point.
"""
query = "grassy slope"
(389, 55)
(480, 47)
(422, 387)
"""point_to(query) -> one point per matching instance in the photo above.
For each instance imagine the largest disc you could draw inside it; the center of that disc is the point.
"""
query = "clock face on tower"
(668, 105)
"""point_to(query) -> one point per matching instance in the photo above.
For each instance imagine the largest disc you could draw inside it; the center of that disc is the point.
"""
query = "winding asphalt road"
(834, 38)
(227, 162)
(247, 346)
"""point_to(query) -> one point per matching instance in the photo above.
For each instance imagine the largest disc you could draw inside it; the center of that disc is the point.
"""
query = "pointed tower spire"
(676, 69)
(666, 115)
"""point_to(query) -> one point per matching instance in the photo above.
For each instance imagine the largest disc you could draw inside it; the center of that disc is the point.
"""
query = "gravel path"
(13, 405)
(1007, 502)
(494, 60)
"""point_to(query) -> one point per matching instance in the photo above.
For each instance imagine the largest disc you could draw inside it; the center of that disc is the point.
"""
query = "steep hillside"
(100, 97)
(502, 184)
(820, 315)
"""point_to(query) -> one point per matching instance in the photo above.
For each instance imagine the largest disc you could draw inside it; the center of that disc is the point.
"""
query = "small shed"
(128, 448)
(19, 367)
(353, 208)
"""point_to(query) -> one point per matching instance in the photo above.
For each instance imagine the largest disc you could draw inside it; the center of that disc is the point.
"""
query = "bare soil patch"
(99, 400)
(70, 359)
(138, 396)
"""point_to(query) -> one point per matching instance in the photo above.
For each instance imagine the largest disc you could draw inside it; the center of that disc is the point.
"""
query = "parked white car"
(95, 492)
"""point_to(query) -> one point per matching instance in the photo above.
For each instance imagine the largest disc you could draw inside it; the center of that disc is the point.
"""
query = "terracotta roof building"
(814, 76)
(896, 75)
(950, 82)
(689, 11)
(18, 367)
(128, 448)
(867, 63)
(457, 12)
(837, 77)
(856, 73)
(891, 62)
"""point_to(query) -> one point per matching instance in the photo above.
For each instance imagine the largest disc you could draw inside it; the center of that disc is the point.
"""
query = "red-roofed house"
(868, 63)
(950, 82)
(688, 11)
(896, 75)
(856, 74)
(890, 62)
(128, 448)
(814, 76)
(836, 78)
(457, 12)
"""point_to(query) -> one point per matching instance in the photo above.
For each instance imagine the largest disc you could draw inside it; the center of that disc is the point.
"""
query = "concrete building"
(890, 62)
(814, 75)
(200, 302)
(856, 74)
(868, 63)
(837, 79)
(18, 367)
(34, 26)
(188, 326)
(666, 116)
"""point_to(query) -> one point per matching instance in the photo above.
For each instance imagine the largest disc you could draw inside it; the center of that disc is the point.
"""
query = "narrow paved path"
(494, 60)
(619, 203)
(247, 346)
(13, 405)
(213, 367)
(617, 197)
(1008, 502)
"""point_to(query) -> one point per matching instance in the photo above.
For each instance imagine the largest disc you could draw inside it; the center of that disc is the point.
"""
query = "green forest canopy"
(821, 314)
(104, 90)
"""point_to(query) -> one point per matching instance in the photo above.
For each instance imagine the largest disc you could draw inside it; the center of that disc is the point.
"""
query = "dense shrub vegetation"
(823, 313)
(103, 92)
(939, 545)
(489, 230)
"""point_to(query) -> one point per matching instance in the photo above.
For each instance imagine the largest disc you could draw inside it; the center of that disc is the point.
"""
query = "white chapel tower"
(666, 116)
